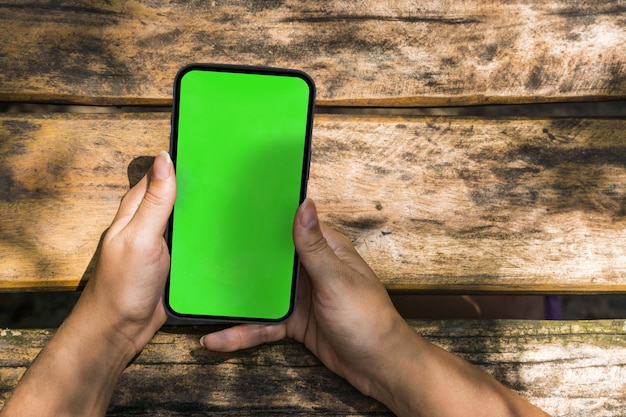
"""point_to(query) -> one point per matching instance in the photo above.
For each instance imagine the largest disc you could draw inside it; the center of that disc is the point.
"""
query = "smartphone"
(241, 146)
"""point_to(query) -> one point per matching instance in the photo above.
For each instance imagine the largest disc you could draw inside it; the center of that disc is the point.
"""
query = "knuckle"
(153, 199)
(140, 243)
(317, 245)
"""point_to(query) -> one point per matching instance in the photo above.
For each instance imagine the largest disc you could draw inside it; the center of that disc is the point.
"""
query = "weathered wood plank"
(567, 368)
(471, 205)
(61, 180)
(396, 53)
(433, 204)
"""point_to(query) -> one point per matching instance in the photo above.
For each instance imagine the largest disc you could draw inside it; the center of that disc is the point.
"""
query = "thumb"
(317, 257)
(156, 205)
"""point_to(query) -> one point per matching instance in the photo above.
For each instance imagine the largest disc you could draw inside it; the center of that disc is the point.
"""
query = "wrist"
(399, 362)
(417, 378)
(77, 370)
(126, 317)
(90, 325)
(97, 322)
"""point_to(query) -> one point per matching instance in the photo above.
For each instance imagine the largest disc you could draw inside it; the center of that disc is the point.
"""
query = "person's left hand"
(134, 262)
(117, 314)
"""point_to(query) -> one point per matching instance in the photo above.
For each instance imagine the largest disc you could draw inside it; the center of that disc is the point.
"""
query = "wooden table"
(436, 204)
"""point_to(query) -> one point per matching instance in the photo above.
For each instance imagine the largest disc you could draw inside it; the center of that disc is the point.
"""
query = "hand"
(343, 313)
(117, 314)
(134, 262)
(345, 317)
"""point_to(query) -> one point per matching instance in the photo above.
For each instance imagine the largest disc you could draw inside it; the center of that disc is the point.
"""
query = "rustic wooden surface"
(433, 204)
(372, 53)
(566, 368)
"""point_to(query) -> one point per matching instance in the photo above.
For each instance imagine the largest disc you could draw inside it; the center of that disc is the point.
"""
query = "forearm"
(75, 374)
(425, 380)
(117, 314)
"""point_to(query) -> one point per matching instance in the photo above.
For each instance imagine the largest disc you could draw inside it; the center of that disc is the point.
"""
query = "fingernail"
(308, 213)
(161, 167)
(202, 341)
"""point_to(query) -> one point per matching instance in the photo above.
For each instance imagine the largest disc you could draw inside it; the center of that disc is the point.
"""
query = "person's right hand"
(343, 313)
(345, 317)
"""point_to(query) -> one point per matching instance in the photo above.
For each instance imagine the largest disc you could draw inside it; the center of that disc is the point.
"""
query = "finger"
(243, 336)
(129, 204)
(156, 205)
(316, 255)
(345, 250)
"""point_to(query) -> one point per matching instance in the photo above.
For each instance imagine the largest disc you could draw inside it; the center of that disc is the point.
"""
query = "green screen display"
(241, 144)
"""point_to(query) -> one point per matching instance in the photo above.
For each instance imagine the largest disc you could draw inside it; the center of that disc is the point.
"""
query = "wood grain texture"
(566, 368)
(453, 205)
(61, 180)
(472, 205)
(398, 53)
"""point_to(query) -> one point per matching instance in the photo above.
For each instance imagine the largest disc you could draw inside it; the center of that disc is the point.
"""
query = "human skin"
(121, 308)
(117, 314)
(345, 317)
